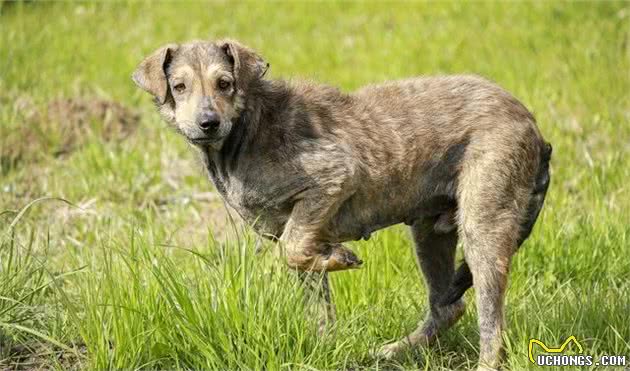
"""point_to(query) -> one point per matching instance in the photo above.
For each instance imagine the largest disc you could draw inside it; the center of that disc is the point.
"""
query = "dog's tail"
(463, 279)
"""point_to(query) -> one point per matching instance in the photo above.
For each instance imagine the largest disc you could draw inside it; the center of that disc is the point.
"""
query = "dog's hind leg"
(435, 251)
(492, 206)
(463, 277)
(488, 249)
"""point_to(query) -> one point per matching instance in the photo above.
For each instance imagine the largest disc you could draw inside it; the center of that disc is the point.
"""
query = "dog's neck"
(264, 103)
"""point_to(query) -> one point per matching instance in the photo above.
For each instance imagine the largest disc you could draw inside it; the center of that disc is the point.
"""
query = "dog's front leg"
(302, 241)
(318, 299)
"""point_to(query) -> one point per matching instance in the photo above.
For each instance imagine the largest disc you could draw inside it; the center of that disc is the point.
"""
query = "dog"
(456, 158)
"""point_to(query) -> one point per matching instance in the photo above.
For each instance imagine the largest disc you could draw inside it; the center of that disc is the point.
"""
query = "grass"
(136, 271)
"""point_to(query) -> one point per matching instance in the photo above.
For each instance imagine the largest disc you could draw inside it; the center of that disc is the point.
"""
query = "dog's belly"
(343, 229)
(359, 216)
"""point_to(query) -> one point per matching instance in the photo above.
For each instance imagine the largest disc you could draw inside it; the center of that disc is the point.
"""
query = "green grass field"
(140, 266)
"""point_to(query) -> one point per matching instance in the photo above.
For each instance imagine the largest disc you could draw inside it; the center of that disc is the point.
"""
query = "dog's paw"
(389, 351)
(341, 258)
(333, 257)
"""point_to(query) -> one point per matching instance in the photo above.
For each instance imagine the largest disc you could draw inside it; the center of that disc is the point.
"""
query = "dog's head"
(200, 87)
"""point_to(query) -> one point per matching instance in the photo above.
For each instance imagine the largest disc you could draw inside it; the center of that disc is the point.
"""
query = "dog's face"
(200, 87)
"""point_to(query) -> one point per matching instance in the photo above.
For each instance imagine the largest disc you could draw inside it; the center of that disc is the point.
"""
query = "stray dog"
(454, 157)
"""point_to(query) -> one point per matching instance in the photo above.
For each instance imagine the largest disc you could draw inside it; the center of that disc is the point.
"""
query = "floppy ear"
(246, 63)
(150, 75)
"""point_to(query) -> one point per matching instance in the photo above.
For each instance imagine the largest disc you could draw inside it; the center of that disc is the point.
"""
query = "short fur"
(454, 157)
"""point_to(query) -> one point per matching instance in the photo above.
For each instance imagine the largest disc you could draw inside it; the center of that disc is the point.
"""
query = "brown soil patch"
(37, 356)
(77, 117)
(62, 126)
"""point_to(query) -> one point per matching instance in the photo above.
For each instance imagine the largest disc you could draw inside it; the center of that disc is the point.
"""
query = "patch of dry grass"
(62, 126)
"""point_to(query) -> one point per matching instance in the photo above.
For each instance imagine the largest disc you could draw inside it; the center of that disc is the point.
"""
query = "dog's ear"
(150, 75)
(246, 63)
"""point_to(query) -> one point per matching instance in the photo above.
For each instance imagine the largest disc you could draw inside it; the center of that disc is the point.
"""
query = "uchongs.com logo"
(551, 356)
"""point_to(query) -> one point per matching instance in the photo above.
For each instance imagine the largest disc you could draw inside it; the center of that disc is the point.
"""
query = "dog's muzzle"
(213, 135)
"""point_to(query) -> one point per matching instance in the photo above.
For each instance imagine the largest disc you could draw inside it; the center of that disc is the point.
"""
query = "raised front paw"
(331, 258)
(341, 258)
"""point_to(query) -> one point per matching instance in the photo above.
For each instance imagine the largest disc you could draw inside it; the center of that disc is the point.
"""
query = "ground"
(130, 260)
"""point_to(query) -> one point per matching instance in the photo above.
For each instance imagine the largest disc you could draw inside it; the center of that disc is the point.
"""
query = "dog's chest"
(246, 199)
(257, 202)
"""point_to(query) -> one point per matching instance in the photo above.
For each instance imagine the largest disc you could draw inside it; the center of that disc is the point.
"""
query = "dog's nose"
(209, 122)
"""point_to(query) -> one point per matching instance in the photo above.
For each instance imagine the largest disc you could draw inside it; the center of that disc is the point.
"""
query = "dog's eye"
(179, 87)
(224, 84)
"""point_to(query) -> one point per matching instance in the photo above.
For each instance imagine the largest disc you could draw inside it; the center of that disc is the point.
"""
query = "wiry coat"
(454, 157)
(393, 152)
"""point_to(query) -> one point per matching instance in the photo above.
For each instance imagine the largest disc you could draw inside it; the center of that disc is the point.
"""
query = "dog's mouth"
(203, 140)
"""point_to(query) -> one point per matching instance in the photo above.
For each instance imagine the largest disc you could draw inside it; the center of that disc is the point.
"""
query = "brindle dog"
(454, 157)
